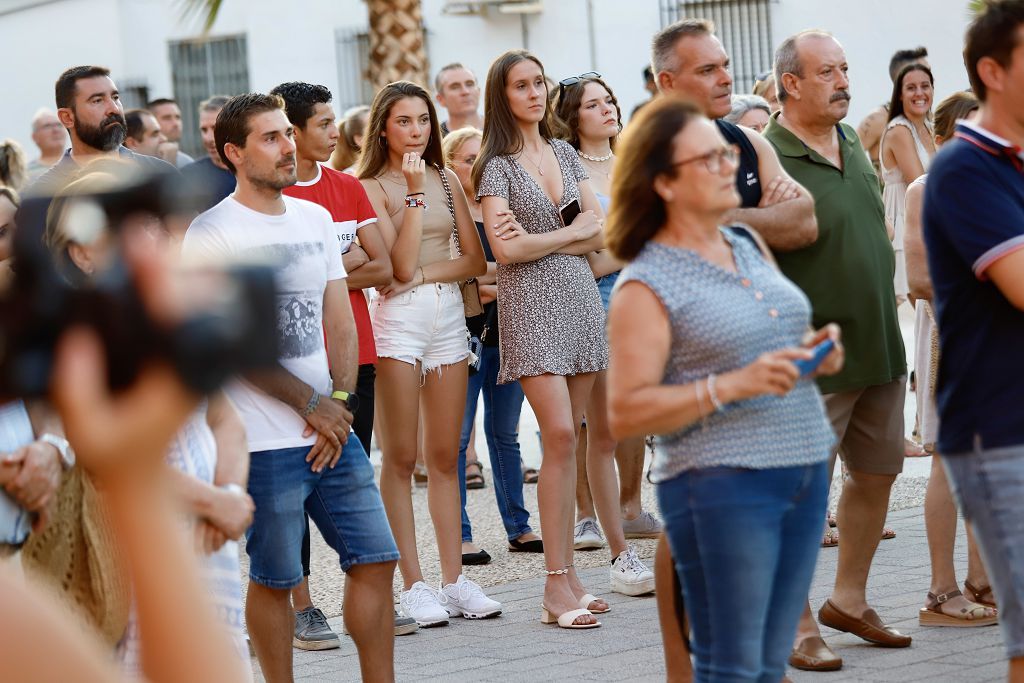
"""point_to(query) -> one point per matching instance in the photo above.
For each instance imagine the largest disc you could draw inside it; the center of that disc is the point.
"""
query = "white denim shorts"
(426, 324)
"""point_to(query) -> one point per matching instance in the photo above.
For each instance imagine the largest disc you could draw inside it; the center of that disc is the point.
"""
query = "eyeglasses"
(573, 80)
(713, 160)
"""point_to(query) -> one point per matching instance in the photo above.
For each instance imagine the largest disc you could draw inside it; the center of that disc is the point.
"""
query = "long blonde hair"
(454, 140)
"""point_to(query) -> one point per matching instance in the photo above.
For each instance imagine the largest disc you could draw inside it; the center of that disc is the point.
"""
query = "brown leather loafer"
(869, 626)
(814, 654)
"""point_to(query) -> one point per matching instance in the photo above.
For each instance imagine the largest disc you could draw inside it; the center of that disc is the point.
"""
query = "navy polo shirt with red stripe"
(974, 216)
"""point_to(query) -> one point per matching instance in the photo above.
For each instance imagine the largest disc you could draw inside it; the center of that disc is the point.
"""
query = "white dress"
(926, 362)
(194, 452)
(894, 197)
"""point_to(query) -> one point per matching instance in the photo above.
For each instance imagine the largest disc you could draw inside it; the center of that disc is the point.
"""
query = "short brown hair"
(645, 152)
(993, 33)
(67, 83)
(232, 124)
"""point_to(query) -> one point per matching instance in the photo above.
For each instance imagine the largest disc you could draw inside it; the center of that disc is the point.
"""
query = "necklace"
(606, 157)
(540, 160)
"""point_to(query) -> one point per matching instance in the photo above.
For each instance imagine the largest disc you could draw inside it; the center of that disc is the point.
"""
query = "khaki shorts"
(869, 425)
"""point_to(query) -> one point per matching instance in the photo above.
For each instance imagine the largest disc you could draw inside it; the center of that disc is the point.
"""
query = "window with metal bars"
(743, 26)
(201, 68)
(352, 49)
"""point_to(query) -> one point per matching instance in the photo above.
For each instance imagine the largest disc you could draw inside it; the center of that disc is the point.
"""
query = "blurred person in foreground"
(704, 332)
(121, 440)
(974, 234)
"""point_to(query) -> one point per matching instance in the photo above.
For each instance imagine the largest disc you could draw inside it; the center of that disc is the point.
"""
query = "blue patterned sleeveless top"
(721, 321)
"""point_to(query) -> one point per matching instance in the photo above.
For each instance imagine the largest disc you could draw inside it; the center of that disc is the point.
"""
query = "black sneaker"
(312, 631)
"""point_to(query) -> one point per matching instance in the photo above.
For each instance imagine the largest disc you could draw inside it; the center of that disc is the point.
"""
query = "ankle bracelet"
(557, 572)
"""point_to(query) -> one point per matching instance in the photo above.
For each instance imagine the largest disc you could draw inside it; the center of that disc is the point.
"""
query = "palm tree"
(397, 45)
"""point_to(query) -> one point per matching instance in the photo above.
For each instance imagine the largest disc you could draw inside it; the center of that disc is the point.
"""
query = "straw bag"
(470, 289)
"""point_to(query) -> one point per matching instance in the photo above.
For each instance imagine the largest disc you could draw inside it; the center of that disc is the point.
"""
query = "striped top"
(722, 321)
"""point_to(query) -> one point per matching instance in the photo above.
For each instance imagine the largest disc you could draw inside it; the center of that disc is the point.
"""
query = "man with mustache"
(89, 107)
(847, 275)
(298, 416)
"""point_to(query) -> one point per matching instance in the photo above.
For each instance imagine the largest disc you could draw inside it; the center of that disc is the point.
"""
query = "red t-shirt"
(344, 197)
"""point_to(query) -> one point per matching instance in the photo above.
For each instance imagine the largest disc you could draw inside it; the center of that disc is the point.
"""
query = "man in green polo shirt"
(847, 274)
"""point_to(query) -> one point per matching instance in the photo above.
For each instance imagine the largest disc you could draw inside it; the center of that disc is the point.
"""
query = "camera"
(228, 315)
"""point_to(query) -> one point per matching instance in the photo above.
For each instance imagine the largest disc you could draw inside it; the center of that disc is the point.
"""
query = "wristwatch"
(350, 400)
(67, 456)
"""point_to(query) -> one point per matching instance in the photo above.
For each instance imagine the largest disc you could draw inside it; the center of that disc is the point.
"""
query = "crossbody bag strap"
(451, 207)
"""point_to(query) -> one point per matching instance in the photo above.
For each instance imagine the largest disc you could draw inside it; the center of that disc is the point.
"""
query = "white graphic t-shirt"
(300, 245)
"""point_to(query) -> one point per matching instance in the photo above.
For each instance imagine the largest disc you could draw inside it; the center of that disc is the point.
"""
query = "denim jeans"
(744, 543)
(343, 502)
(502, 405)
(988, 483)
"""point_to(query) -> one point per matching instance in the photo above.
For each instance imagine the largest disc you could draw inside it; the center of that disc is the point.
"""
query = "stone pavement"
(517, 647)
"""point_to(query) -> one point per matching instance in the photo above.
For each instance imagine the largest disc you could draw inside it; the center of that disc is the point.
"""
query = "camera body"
(228, 332)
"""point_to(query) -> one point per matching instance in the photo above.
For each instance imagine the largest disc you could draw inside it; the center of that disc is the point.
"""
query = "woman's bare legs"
(558, 404)
(629, 456)
(442, 405)
(604, 484)
(584, 500)
(940, 522)
(397, 412)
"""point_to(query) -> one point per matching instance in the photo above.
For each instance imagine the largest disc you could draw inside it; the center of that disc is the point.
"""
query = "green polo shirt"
(847, 273)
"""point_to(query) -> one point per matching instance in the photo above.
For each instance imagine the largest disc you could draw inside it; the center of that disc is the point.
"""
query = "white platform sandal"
(566, 619)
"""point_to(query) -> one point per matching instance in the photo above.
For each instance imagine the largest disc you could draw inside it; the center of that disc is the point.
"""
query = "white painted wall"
(296, 41)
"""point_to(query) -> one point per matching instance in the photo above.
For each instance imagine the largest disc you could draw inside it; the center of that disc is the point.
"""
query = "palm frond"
(207, 10)
(975, 7)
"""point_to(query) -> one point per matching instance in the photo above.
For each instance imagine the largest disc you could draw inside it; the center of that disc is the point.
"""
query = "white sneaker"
(630, 576)
(424, 604)
(587, 535)
(645, 525)
(466, 599)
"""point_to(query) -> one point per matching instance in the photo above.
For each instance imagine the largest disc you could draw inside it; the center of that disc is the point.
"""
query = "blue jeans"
(989, 486)
(343, 502)
(502, 405)
(744, 544)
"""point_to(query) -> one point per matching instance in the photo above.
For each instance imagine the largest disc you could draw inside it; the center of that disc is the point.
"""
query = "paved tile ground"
(517, 647)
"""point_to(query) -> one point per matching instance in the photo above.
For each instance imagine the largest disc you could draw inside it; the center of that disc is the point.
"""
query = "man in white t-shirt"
(297, 417)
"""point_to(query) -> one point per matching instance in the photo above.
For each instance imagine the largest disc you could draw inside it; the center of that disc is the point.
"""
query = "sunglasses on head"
(573, 80)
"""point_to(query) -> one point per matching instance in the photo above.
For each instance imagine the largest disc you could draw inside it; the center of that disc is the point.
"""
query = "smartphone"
(820, 352)
(570, 211)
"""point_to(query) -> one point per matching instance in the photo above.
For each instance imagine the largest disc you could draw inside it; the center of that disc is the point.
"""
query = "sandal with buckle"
(932, 613)
(475, 480)
(983, 596)
(530, 475)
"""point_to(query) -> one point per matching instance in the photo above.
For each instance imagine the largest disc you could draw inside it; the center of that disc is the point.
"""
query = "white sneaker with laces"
(424, 604)
(587, 535)
(466, 599)
(645, 525)
(629, 575)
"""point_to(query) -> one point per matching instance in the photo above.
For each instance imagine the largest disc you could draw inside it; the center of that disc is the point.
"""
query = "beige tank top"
(435, 244)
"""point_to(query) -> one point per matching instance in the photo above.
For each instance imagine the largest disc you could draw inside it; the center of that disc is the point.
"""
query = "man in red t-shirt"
(368, 265)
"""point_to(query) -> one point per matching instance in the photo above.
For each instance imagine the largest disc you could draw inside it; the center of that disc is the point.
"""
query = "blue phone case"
(822, 350)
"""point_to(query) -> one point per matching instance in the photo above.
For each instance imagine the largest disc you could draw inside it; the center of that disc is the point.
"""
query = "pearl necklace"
(606, 157)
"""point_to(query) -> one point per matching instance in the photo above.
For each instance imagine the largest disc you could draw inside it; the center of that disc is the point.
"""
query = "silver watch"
(67, 456)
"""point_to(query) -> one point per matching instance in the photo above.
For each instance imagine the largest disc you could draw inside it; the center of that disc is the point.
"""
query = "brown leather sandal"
(932, 614)
(475, 475)
(983, 596)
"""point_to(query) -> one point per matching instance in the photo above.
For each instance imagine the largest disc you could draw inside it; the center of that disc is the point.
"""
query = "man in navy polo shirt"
(974, 232)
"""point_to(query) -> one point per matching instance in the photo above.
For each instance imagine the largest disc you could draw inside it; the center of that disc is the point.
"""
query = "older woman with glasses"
(707, 339)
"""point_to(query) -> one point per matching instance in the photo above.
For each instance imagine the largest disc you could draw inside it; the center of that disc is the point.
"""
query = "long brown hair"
(645, 152)
(896, 102)
(950, 110)
(501, 132)
(374, 157)
(567, 110)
